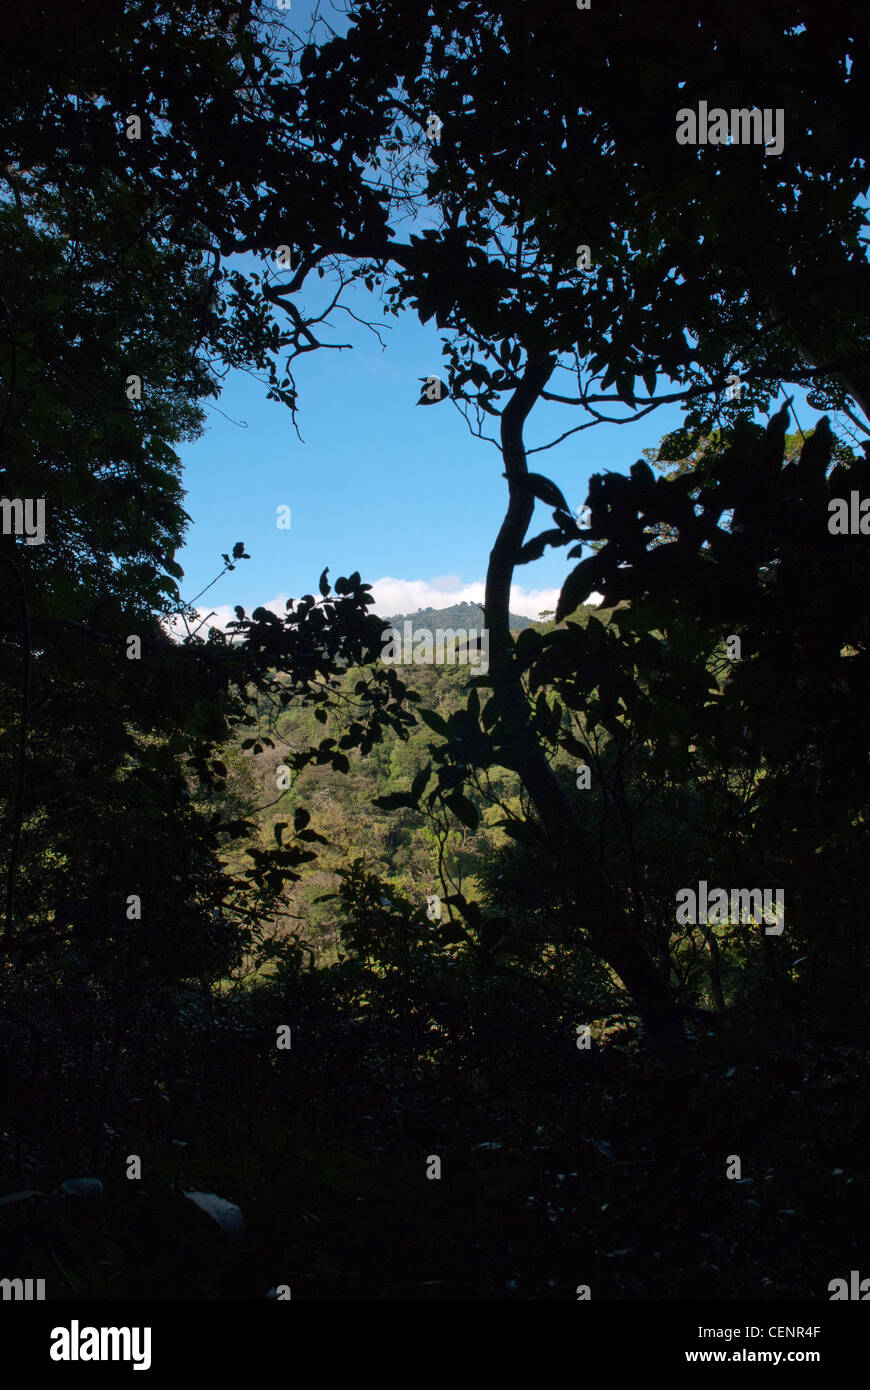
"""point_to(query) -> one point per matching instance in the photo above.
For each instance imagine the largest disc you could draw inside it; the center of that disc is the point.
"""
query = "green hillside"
(457, 615)
(399, 846)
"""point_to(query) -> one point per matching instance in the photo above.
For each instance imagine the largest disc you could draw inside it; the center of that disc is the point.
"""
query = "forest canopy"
(456, 886)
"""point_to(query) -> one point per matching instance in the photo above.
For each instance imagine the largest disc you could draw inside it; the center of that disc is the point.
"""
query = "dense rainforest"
(326, 977)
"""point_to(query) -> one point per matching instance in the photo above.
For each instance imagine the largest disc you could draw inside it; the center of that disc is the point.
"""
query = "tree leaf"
(434, 721)
(463, 809)
(546, 490)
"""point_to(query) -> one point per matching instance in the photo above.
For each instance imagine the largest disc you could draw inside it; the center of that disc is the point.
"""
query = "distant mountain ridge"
(463, 615)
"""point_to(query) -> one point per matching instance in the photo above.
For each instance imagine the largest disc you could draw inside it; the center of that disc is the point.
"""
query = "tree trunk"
(606, 920)
(715, 970)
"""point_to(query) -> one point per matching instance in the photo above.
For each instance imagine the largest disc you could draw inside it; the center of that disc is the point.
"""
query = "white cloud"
(407, 595)
(402, 596)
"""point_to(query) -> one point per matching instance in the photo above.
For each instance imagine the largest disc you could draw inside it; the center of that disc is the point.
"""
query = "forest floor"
(558, 1168)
